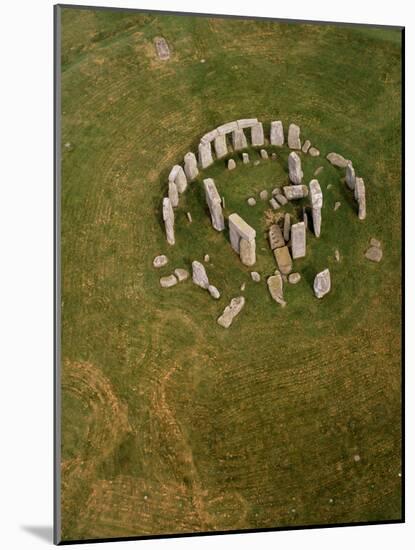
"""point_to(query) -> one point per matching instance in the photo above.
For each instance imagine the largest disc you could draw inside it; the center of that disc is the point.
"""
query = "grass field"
(170, 423)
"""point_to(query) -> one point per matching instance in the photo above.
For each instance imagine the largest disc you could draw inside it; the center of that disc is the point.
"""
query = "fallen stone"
(255, 276)
(257, 135)
(190, 166)
(231, 164)
(231, 311)
(264, 154)
(274, 204)
(322, 283)
(298, 240)
(316, 205)
(162, 48)
(199, 275)
(360, 196)
(168, 281)
(287, 227)
(294, 192)
(294, 169)
(160, 261)
(337, 205)
(275, 287)
(168, 218)
(294, 278)
(277, 133)
(306, 146)
(263, 195)
(281, 199)
(350, 176)
(245, 158)
(374, 254)
(318, 170)
(284, 261)
(181, 274)
(275, 237)
(314, 152)
(247, 251)
(337, 160)
(294, 137)
(251, 201)
(214, 292)
(375, 242)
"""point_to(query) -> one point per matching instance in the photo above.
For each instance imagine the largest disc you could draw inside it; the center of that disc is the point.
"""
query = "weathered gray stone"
(168, 281)
(322, 283)
(337, 160)
(294, 192)
(275, 237)
(247, 251)
(199, 275)
(238, 230)
(294, 141)
(210, 136)
(168, 218)
(231, 311)
(318, 171)
(227, 128)
(298, 240)
(294, 278)
(255, 276)
(214, 292)
(173, 194)
(314, 152)
(221, 147)
(256, 163)
(287, 227)
(214, 203)
(276, 191)
(283, 259)
(274, 204)
(247, 122)
(251, 201)
(360, 196)
(275, 287)
(263, 195)
(316, 196)
(337, 205)
(231, 164)
(329, 186)
(277, 133)
(281, 199)
(264, 154)
(223, 202)
(337, 255)
(294, 168)
(375, 242)
(374, 254)
(306, 146)
(245, 158)
(178, 176)
(190, 166)
(205, 154)
(189, 217)
(305, 217)
(162, 48)
(274, 156)
(257, 135)
(206, 258)
(160, 261)
(243, 285)
(181, 274)
(239, 139)
(350, 176)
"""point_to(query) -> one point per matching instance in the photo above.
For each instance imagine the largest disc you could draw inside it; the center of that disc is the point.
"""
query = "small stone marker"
(178, 176)
(298, 240)
(168, 281)
(277, 133)
(294, 168)
(337, 255)
(255, 276)
(295, 192)
(314, 152)
(287, 227)
(189, 217)
(221, 147)
(360, 196)
(281, 199)
(305, 217)
(160, 261)
(337, 205)
(162, 48)
(231, 164)
(264, 154)
(199, 275)
(337, 160)
(190, 166)
(274, 156)
(257, 135)
(181, 274)
(350, 176)
(374, 254)
(245, 158)
(223, 202)
(214, 203)
(168, 218)
(322, 283)
(251, 201)
(206, 258)
(275, 287)
(294, 278)
(256, 163)
(284, 261)
(375, 242)
(214, 292)
(274, 204)
(276, 239)
(316, 205)
(263, 195)
(306, 146)
(231, 311)
(243, 285)
(294, 137)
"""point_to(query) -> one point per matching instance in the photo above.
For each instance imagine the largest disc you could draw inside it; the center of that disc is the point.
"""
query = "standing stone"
(199, 275)
(245, 158)
(160, 261)
(305, 217)
(294, 137)
(284, 261)
(168, 218)
(337, 205)
(206, 258)
(287, 227)
(277, 133)
(274, 156)
(173, 194)
(294, 278)
(238, 230)
(205, 154)
(306, 146)
(294, 192)
(337, 255)
(316, 205)
(275, 287)
(221, 148)
(263, 195)
(298, 240)
(294, 168)
(255, 276)
(239, 139)
(360, 196)
(314, 152)
(322, 283)
(264, 154)
(162, 48)
(231, 164)
(350, 176)
(247, 251)
(223, 202)
(276, 239)
(251, 201)
(190, 166)
(337, 160)
(257, 135)
(374, 254)
(214, 204)
(214, 292)
(178, 176)
(231, 311)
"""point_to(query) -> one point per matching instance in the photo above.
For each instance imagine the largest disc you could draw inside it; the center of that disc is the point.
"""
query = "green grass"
(191, 427)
